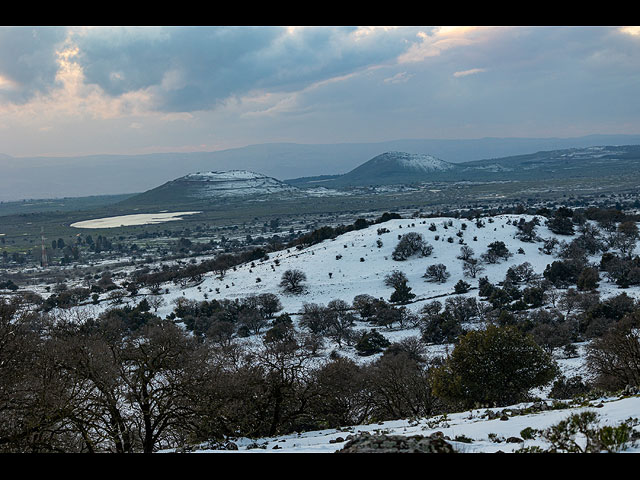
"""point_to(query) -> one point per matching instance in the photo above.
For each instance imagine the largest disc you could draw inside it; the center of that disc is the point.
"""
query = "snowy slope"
(234, 183)
(350, 276)
(360, 269)
(483, 435)
(420, 162)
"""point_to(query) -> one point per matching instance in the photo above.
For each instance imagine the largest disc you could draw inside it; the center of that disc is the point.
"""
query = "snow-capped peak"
(418, 161)
(224, 175)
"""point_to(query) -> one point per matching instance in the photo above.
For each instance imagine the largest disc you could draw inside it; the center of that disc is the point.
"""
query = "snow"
(225, 175)
(235, 183)
(472, 424)
(351, 277)
(421, 162)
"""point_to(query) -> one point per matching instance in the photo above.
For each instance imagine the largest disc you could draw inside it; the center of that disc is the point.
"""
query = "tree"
(626, 237)
(410, 244)
(340, 319)
(371, 342)
(561, 273)
(340, 395)
(400, 386)
(399, 282)
(527, 230)
(466, 253)
(156, 301)
(437, 273)
(292, 281)
(269, 304)
(497, 250)
(461, 287)
(560, 224)
(314, 318)
(497, 367)
(472, 267)
(285, 370)
(137, 384)
(614, 358)
(588, 279)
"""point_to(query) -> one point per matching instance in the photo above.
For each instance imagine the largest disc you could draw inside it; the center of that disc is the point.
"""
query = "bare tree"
(156, 301)
(292, 281)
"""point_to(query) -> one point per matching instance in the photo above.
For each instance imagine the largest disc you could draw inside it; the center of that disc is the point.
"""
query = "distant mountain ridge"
(214, 186)
(395, 168)
(76, 176)
(405, 168)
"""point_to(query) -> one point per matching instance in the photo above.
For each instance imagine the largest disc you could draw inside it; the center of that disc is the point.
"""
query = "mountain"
(406, 168)
(214, 186)
(395, 168)
(76, 176)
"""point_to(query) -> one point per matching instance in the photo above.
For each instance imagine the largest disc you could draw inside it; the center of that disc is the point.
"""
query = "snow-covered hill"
(233, 183)
(396, 168)
(353, 264)
(420, 162)
(356, 263)
(217, 185)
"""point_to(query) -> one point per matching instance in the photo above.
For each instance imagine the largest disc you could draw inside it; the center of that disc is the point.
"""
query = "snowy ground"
(362, 266)
(353, 264)
(480, 434)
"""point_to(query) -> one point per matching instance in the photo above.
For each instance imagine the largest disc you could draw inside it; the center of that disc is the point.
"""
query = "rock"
(514, 440)
(396, 444)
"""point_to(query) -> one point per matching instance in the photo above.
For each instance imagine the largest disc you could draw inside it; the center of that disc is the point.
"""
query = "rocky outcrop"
(367, 443)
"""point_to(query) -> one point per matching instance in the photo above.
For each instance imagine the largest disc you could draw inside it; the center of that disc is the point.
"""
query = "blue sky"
(77, 91)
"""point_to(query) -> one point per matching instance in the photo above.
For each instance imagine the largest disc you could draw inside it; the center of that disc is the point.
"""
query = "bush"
(410, 244)
(579, 434)
(497, 366)
(461, 287)
(437, 273)
(371, 342)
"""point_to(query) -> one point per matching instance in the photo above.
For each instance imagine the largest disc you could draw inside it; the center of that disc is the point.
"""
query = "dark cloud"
(195, 68)
(28, 60)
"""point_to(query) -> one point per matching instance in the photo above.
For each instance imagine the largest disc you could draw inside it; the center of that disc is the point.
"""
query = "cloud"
(471, 71)
(241, 85)
(436, 41)
(198, 68)
(633, 31)
(400, 77)
(28, 64)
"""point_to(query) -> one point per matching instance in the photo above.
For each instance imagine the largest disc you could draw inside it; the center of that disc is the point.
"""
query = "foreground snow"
(479, 434)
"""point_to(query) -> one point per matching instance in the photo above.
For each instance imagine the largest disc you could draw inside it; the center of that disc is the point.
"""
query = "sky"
(67, 91)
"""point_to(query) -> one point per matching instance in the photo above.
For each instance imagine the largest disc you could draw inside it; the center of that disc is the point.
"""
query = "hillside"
(356, 263)
(473, 431)
(395, 168)
(405, 168)
(76, 176)
(213, 187)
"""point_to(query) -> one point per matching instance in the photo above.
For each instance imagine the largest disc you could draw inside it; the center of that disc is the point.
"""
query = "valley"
(208, 254)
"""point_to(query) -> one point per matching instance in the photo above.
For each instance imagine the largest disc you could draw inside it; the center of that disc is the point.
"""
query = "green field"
(22, 231)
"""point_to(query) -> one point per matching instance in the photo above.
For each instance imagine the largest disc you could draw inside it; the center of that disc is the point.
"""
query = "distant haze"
(54, 177)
